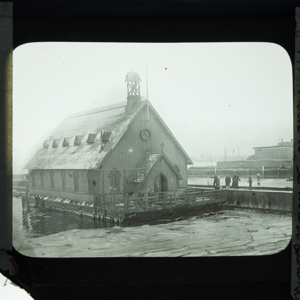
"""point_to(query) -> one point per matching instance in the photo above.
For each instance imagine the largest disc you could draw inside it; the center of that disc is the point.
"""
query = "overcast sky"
(211, 95)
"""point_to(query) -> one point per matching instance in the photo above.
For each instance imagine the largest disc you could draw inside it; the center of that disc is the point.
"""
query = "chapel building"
(122, 149)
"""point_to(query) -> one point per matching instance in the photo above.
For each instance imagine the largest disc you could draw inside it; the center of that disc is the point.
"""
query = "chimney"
(133, 80)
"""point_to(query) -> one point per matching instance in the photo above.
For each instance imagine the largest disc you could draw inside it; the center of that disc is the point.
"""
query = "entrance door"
(160, 184)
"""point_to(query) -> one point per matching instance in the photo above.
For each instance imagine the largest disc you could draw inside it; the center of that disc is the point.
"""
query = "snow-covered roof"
(82, 141)
(90, 135)
(145, 165)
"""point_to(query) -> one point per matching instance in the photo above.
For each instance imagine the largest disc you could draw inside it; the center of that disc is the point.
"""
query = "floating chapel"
(121, 149)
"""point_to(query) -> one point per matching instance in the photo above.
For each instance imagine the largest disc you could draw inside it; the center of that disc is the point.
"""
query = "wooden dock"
(128, 209)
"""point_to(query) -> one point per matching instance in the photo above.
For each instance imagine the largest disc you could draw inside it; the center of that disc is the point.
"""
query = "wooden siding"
(161, 167)
(121, 157)
(58, 191)
(124, 157)
(274, 153)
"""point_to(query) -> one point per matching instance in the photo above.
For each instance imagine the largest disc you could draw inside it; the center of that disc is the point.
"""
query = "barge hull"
(167, 205)
(173, 213)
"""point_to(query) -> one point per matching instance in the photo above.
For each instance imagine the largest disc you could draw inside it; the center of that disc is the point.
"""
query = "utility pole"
(147, 80)
(148, 114)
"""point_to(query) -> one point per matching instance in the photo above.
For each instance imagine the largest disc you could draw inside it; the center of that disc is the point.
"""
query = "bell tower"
(133, 80)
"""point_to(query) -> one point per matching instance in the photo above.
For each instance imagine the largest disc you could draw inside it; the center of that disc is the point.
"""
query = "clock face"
(145, 134)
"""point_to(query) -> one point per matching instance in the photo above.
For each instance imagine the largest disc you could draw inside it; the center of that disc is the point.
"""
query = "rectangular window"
(172, 183)
(78, 139)
(63, 180)
(90, 177)
(115, 181)
(33, 179)
(64, 184)
(52, 180)
(91, 138)
(42, 179)
(76, 182)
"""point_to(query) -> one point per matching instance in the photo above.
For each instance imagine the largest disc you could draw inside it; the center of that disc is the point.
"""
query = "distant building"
(282, 151)
(278, 156)
(120, 149)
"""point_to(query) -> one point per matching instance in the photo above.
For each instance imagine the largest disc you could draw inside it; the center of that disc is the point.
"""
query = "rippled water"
(228, 233)
(37, 224)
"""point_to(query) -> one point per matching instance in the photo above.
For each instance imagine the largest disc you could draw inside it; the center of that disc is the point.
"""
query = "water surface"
(225, 234)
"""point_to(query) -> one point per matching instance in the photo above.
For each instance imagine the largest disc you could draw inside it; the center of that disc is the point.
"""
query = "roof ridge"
(190, 162)
(99, 109)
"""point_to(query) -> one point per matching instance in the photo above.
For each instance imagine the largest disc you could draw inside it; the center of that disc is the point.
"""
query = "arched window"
(76, 182)
(52, 179)
(160, 183)
(63, 180)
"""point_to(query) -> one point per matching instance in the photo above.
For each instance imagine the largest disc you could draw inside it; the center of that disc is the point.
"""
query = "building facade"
(278, 156)
(283, 151)
(120, 149)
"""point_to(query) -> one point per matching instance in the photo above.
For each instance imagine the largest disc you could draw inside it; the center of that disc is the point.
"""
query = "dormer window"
(66, 141)
(91, 138)
(78, 140)
(55, 143)
(106, 136)
(46, 144)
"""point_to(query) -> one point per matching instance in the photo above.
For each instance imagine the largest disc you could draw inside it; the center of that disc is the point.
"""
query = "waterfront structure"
(282, 151)
(122, 149)
(276, 156)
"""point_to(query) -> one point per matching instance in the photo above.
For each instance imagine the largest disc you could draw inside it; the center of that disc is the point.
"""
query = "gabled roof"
(145, 165)
(189, 161)
(86, 149)
(90, 136)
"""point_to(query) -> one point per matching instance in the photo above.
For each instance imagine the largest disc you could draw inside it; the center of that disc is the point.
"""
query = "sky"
(212, 96)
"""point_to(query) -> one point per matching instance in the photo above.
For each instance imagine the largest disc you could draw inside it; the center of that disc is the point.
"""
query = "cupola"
(133, 80)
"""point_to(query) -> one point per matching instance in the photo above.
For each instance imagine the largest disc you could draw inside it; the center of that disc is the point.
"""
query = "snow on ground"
(264, 182)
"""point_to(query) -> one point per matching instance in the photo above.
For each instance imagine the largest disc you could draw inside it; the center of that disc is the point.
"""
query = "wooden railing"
(117, 205)
(113, 204)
